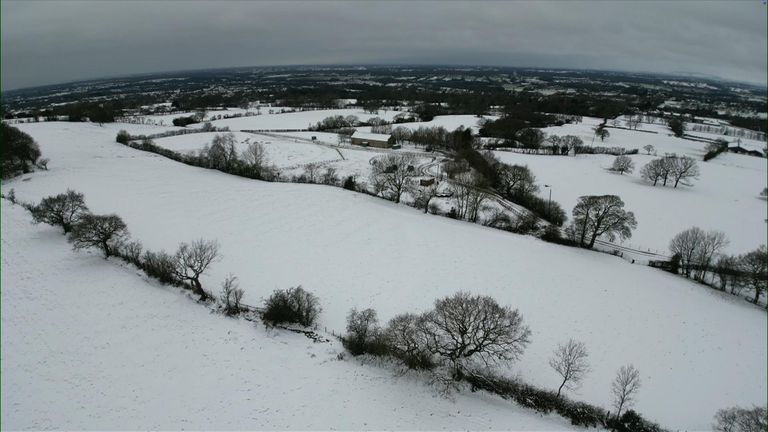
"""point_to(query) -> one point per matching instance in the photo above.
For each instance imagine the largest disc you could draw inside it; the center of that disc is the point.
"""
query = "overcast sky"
(51, 42)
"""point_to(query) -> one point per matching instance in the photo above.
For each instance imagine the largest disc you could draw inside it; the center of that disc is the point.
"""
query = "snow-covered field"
(296, 120)
(282, 153)
(90, 344)
(697, 350)
(449, 122)
(725, 198)
(291, 153)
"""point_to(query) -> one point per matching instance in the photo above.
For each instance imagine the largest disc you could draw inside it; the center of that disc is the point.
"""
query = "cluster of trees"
(737, 419)
(184, 121)
(461, 332)
(109, 234)
(517, 183)
(20, 152)
(335, 123)
(678, 169)
(466, 336)
(698, 255)
(600, 215)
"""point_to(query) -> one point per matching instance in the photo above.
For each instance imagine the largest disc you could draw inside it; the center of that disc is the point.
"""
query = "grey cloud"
(47, 42)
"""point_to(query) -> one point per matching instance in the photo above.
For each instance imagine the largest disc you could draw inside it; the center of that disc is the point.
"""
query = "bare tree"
(401, 134)
(755, 265)
(425, 194)
(713, 243)
(624, 388)
(463, 328)
(392, 174)
(192, 260)
(255, 157)
(653, 171)
(468, 196)
(623, 163)
(106, 232)
(648, 148)
(312, 170)
(601, 132)
(231, 295)
(516, 179)
(682, 169)
(687, 245)
(329, 177)
(697, 249)
(407, 339)
(64, 210)
(362, 329)
(222, 154)
(572, 141)
(596, 215)
(570, 361)
(725, 269)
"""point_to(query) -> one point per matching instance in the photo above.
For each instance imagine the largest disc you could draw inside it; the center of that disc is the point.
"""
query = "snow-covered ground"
(697, 350)
(91, 344)
(725, 198)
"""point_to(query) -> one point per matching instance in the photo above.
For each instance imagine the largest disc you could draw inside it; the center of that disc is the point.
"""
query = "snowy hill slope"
(697, 351)
(90, 344)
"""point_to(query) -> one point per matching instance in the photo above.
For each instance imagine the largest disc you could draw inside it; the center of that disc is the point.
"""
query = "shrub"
(231, 295)
(183, 121)
(363, 334)
(161, 266)
(123, 137)
(19, 151)
(294, 305)
(349, 183)
(11, 196)
(131, 252)
(631, 421)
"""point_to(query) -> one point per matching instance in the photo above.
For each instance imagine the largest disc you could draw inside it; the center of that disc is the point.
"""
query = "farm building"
(372, 139)
(740, 148)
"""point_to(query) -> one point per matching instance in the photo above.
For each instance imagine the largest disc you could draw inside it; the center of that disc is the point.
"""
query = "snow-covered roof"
(370, 136)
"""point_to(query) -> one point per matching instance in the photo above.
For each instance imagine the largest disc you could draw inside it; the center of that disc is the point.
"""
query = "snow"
(697, 350)
(91, 344)
(725, 197)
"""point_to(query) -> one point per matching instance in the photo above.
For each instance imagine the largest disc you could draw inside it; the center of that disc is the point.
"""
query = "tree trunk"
(560, 388)
(757, 295)
(197, 288)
